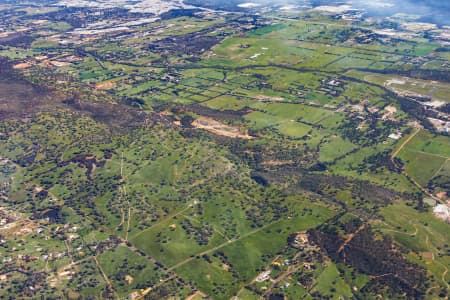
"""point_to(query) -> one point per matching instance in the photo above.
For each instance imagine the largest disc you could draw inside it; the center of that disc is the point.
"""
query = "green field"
(425, 156)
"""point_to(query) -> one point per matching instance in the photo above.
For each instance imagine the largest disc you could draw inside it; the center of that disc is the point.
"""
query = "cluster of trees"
(372, 255)
(201, 234)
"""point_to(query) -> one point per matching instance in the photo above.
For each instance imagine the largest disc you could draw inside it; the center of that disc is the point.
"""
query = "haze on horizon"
(433, 11)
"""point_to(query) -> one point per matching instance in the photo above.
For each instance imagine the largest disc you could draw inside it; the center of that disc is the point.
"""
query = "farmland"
(194, 153)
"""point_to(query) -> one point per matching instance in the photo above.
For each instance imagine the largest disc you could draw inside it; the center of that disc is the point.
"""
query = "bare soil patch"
(264, 98)
(219, 128)
(105, 85)
(277, 162)
(58, 63)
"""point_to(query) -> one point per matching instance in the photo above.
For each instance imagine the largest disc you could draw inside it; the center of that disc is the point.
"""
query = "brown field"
(22, 66)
